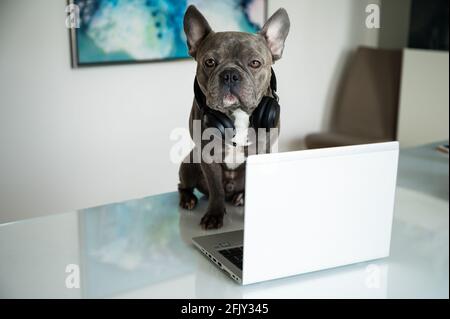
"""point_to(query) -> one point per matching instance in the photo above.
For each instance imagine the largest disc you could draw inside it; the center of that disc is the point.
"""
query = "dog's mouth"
(229, 99)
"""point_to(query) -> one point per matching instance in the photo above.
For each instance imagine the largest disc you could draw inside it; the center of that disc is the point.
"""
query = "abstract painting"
(127, 31)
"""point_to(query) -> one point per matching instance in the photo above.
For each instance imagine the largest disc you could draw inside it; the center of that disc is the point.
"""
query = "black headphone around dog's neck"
(265, 116)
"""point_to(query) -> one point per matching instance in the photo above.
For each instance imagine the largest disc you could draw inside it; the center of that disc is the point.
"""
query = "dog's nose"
(230, 77)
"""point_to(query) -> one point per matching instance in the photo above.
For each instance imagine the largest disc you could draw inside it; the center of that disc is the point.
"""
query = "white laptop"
(310, 210)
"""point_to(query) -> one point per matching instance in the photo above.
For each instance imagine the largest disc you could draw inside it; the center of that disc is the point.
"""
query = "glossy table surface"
(142, 249)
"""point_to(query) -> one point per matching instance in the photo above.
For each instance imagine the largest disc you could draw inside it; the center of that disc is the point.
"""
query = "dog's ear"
(275, 31)
(196, 28)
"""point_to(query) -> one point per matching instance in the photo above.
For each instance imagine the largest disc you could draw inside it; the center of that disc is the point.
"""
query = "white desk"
(141, 248)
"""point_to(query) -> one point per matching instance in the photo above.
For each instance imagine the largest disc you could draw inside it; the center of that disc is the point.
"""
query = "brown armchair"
(366, 106)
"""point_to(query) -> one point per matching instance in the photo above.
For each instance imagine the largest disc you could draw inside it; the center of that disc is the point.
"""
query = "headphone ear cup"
(215, 119)
(258, 114)
(266, 114)
(273, 114)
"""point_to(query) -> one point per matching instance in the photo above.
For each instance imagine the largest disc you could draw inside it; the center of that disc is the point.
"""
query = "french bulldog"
(234, 74)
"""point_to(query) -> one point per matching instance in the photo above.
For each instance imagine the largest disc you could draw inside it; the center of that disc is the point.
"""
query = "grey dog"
(233, 72)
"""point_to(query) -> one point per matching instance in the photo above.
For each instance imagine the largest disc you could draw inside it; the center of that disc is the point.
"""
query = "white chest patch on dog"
(235, 155)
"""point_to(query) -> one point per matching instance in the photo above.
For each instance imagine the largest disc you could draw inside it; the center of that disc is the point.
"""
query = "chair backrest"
(367, 103)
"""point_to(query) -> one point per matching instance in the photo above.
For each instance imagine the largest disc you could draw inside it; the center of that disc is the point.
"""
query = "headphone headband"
(273, 81)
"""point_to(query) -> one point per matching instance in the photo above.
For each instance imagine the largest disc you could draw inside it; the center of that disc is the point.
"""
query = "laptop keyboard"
(234, 255)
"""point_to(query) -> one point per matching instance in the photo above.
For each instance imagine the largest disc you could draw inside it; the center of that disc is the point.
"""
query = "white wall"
(424, 103)
(78, 138)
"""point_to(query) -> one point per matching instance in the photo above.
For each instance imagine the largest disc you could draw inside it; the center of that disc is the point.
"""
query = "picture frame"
(99, 34)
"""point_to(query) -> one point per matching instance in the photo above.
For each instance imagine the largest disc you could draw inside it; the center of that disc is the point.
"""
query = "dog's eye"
(210, 63)
(255, 64)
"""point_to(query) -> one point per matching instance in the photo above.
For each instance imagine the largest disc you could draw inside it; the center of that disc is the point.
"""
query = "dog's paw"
(188, 200)
(212, 220)
(238, 199)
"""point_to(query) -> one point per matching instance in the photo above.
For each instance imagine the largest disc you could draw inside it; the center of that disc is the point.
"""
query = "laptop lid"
(316, 209)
